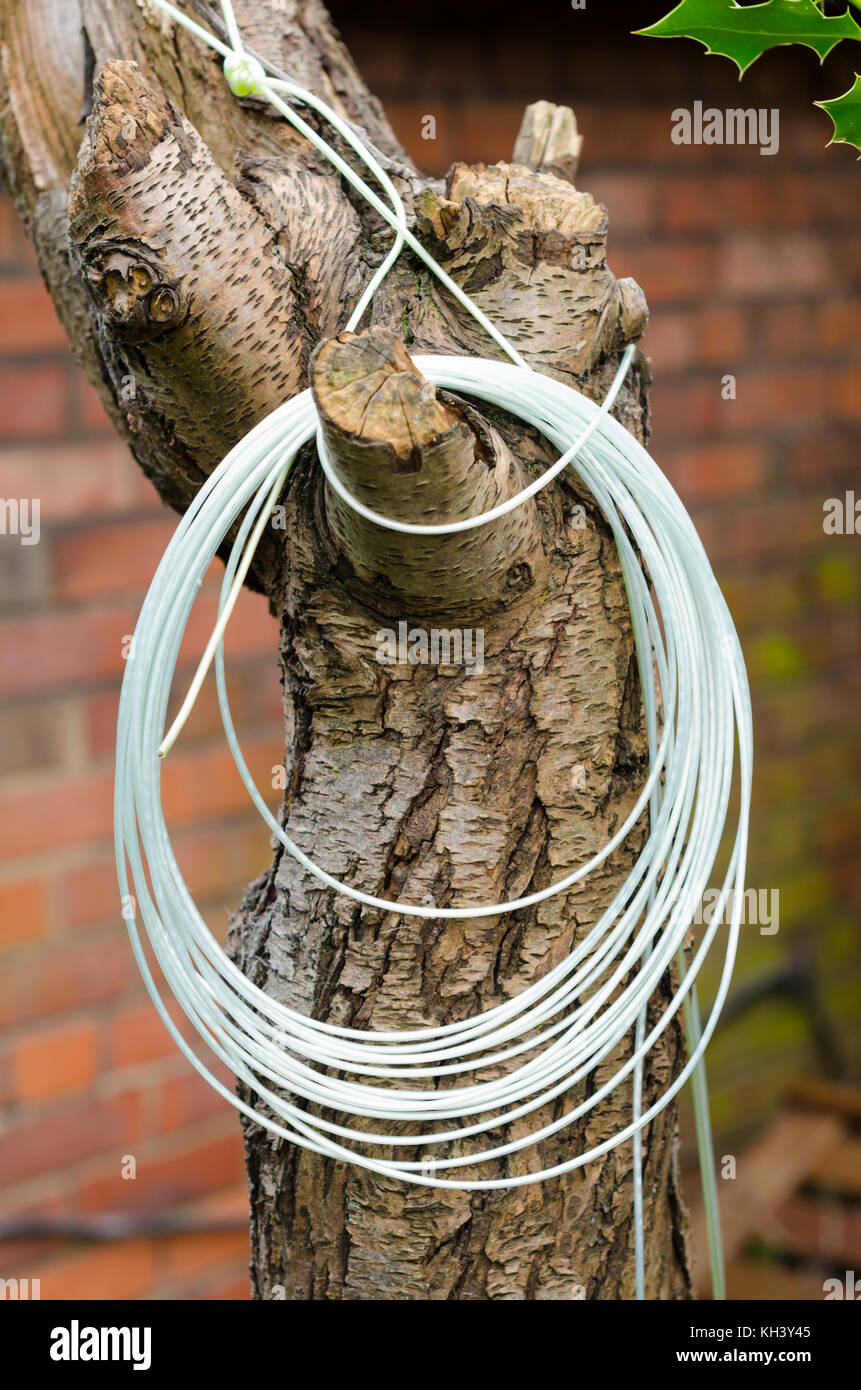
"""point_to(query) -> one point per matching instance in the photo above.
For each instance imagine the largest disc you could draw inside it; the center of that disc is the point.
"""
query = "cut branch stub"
(409, 454)
(549, 141)
(532, 252)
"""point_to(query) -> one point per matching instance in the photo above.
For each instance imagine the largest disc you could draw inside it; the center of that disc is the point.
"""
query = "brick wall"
(751, 268)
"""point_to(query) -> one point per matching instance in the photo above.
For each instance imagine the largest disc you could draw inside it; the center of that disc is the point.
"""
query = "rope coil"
(562, 1028)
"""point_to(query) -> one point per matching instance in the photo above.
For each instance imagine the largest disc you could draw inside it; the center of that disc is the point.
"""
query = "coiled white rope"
(561, 1029)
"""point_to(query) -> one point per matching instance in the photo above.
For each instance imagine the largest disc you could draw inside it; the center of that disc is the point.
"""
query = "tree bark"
(201, 256)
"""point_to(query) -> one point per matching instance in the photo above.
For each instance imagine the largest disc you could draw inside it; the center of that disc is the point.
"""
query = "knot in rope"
(244, 75)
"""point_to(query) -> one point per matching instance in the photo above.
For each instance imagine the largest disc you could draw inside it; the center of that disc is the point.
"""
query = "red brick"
(785, 715)
(252, 629)
(36, 736)
(723, 333)
(448, 70)
(786, 329)
(145, 491)
(520, 69)
(712, 202)
(838, 826)
(779, 594)
(187, 1100)
(716, 470)
(116, 1270)
(631, 201)
(16, 253)
(694, 204)
(229, 1204)
(72, 480)
(96, 562)
(192, 1168)
(266, 694)
(259, 696)
(68, 1135)
(208, 784)
(23, 911)
(669, 272)
(189, 1255)
(100, 715)
(255, 852)
(835, 636)
(830, 194)
(671, 342)
(33, 400)
(28, 322)
(205, 721)
(54, 1063)
(683, 340)
(774, 265)
(83, 807)
(489, 130)
(839, 325)
(138, 1036)
(60, 648)
(255, 700)
(23, 574)
(194, 785)
(637, 136)
(212, 862)
(89, 893)
(844, 390)
(691, 408)
(823, 766)
(434, 156)
(91, 414)
(93, 970)
(100, 722)
(762, 528)
(382, 65)
(48, 1201)
(51, 649)
(824, 459)
(235, 1290)
(777, 399)
(846, 254)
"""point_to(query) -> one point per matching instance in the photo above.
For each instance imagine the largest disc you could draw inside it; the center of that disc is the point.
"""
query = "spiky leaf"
(845, 112)
(744, 32)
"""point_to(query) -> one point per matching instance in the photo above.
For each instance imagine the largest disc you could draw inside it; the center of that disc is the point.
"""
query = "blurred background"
(121, 1172)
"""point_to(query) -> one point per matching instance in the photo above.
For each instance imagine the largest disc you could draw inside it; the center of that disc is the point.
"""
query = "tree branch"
(195, 311)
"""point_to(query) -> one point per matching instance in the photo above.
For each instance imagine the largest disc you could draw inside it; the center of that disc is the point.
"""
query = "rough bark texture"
(198, 252)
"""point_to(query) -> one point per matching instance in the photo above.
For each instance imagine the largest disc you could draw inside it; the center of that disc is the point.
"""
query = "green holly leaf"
(845, 112)
(744, 32)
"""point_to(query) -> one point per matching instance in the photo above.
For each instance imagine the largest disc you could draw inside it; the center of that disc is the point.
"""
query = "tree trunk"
(198, 252)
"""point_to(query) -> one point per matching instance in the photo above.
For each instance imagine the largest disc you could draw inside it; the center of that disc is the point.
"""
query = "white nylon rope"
(563, 1027)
